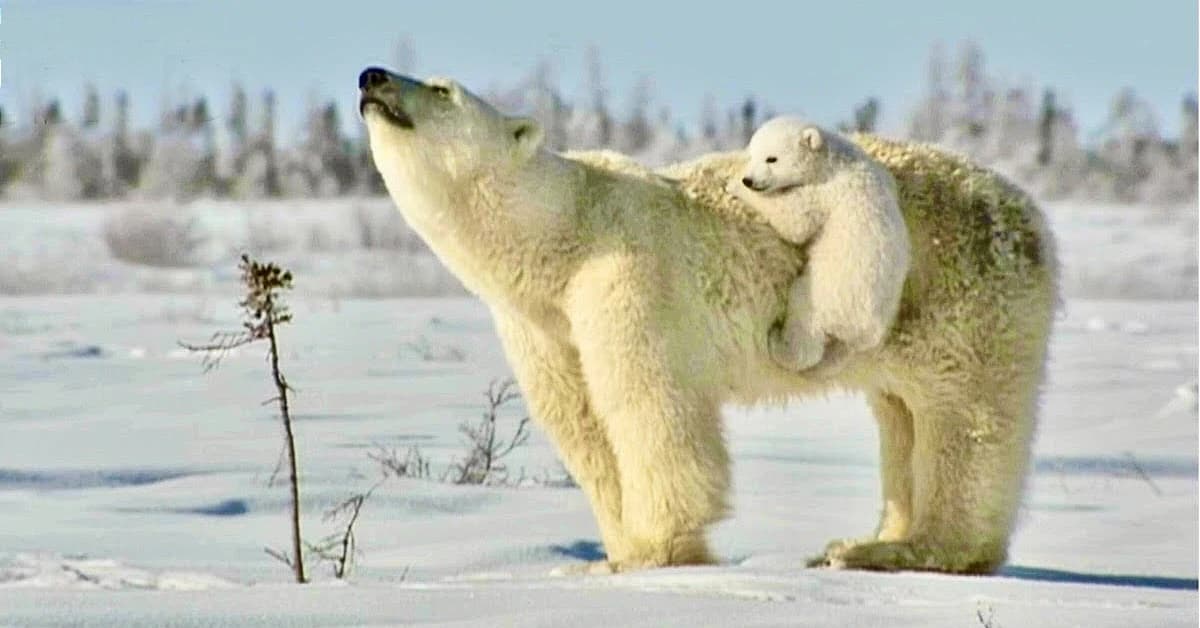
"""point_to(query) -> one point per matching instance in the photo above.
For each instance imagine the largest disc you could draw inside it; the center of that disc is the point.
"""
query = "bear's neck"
(510, 236)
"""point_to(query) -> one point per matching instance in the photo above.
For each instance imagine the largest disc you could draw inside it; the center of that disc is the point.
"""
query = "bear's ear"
(527, 133)
(811, 136)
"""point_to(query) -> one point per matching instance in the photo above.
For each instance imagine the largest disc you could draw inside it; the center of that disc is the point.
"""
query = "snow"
(134, 488)
(361, 247)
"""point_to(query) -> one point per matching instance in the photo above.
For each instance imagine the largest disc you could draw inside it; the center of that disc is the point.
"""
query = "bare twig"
(429, 352)
(340, 548)
(263, 311)
(988, 621)
(218, 347)
(412, 465)
(279, 556)
(1137, 468)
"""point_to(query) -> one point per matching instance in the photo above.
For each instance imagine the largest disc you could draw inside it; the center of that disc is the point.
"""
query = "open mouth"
(394, 114)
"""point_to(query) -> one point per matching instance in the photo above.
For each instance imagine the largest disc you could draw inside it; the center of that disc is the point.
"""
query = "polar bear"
(816, 187)
(632, 304)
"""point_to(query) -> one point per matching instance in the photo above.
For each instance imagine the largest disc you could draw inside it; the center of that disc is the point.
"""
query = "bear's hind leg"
(895, 464)
(895, 471)
(969, 459)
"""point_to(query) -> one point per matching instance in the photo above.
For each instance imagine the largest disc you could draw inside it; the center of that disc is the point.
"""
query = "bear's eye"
(771, 160)
(441, 90)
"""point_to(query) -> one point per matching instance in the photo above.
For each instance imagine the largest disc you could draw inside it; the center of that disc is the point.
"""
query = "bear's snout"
(372, 77)
(748, 182)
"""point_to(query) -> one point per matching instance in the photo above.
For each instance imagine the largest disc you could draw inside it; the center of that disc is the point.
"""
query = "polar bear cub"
(816, 187)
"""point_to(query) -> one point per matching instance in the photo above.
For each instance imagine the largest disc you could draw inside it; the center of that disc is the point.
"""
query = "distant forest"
(235, 151)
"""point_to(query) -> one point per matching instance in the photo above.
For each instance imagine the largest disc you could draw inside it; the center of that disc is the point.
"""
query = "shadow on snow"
(580, 550)
(1042, 574)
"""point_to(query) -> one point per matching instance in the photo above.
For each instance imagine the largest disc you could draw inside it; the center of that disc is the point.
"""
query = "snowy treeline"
(1033, 136)
(234, 151)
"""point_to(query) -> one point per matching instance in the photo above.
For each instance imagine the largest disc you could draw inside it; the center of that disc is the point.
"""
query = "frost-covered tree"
(595, 124)
(57, 173)
(126, 161)
(1126, 145)
(1046, 120)
(9, 154)
(1188, 143)
(91, 108)
(1010, 133)
(708, 119)
(931, 117)
(182, 163)
(635, 130)
(866, 117)
(549, 108)
(970, 105)
(259, 176)
(749, 119)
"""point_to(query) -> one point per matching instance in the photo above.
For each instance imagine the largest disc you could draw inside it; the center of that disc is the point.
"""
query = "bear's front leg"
(548, 372)
(647, 380)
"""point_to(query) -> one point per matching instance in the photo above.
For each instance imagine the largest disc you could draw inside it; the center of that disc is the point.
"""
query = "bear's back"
(976, 239)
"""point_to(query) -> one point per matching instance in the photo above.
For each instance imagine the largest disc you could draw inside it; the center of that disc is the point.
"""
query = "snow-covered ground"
(348, 248)
(134, 488)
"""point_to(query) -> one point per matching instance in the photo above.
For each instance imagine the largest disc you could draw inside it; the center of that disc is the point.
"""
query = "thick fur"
(817, 188)
(633, 304)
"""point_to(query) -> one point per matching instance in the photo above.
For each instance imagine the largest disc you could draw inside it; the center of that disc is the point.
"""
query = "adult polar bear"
(631, 305)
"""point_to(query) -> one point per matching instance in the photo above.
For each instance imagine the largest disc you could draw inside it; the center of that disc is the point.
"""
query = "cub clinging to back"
(815, 187)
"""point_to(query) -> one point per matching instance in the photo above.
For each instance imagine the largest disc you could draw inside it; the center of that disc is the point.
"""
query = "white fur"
(815, 187)
(633, 304)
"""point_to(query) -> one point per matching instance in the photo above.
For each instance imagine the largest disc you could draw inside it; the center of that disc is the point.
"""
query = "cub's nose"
(748, 182)
(372, 77)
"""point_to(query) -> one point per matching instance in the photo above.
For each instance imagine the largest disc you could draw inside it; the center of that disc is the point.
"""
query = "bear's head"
(436, 136)
(785, 153)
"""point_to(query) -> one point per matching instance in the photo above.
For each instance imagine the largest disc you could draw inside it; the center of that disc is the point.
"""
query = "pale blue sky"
(815, 58)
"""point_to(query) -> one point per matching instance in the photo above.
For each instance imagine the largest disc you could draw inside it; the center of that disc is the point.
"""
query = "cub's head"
(787, 152)
(437, 135)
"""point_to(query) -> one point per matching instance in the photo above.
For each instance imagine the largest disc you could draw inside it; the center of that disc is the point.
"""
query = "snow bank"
(363, 248)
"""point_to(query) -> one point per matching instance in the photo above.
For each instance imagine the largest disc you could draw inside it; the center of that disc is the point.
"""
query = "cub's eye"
(771, 160)
(441, 90)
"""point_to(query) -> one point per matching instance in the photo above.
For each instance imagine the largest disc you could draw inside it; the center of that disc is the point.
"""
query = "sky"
(817, 59)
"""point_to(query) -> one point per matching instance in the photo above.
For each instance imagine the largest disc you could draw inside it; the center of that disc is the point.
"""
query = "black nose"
(748, 182)
(373, 77)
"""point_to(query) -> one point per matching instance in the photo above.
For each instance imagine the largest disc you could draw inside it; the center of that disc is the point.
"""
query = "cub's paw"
(832, 362)
(792, 356)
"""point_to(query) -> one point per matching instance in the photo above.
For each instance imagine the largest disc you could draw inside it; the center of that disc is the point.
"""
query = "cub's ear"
(527, 133)
(811, 136)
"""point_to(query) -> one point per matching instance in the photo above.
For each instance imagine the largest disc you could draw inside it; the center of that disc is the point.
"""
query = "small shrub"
(155, 237)
(484, 462)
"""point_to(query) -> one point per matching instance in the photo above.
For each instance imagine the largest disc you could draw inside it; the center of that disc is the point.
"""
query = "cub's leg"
(550, 378)
(798, 344)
